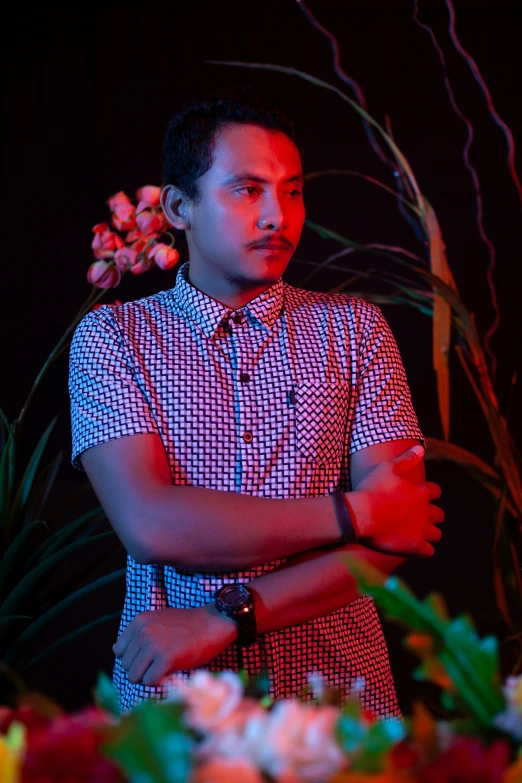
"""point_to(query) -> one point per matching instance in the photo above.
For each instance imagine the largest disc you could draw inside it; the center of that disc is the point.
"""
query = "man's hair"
(190, 138)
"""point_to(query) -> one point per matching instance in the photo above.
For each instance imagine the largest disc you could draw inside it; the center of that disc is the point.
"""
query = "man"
(218, 422)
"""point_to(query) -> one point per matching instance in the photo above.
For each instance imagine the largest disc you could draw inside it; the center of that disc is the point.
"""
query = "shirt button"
(238, 318)
(244, 377)
(248, 437)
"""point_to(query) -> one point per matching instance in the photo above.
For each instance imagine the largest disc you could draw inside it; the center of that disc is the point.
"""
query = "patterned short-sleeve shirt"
(268, 400)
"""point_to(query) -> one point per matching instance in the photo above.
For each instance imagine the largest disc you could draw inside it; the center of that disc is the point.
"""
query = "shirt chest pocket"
(321, 412)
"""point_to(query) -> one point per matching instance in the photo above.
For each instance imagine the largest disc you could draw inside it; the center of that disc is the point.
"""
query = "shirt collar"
(208, 313)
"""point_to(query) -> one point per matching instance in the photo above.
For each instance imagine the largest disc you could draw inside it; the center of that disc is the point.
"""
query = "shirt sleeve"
(106, 400)
(382, 406)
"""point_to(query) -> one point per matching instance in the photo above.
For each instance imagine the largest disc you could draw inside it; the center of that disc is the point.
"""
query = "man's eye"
(249, 187)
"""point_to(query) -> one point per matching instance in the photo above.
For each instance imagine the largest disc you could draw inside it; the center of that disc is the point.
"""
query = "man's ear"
(174, 205)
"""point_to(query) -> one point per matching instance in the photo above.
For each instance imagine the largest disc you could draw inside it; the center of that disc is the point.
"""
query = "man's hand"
(393, 514)
(163, 641)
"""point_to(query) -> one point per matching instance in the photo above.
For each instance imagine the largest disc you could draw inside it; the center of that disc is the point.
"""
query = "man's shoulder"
(313, 302)
(111, 314)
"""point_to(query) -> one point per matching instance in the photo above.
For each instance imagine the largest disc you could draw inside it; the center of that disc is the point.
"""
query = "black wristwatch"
(237, 602)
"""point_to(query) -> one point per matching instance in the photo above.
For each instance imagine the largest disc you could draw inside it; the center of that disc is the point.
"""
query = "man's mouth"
(272, 246)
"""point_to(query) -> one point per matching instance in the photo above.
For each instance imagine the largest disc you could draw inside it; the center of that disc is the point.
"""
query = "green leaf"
(152, 745)
(106, 695)
(33, 508)
(51, 649)
(77, 581)
(60, 537)
(436, 604)
(5, 485)
(26, 585)
(26, 483)
(6, 431)
(394, 597)
(16, 552)
(471, 664)
(380, 739)
(351, 730)
(447, 700)
(48, 616)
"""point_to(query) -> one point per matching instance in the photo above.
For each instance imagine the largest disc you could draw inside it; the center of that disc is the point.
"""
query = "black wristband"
(343, 518)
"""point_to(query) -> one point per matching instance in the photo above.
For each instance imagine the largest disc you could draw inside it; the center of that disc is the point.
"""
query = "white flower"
(211, 699)
(238, 735)
(513, 692)
(510, 720)
(317, 684)
(226, 770)
(297, 742)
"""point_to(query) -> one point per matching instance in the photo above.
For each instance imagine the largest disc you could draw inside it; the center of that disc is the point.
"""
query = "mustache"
(272, 241)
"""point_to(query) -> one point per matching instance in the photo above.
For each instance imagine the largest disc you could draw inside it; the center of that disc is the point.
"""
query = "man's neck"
(225, 294)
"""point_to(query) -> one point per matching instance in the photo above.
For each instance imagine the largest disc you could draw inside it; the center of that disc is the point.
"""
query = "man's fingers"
(125, 638)
(130, 655)
(155, 673)
(424, 549)
(140, 665)
(408, 459)
(434, 491)
(436, 515)
(433, 533)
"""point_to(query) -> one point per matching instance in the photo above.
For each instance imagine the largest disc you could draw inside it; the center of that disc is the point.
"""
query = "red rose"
(468, 761)
(31, 718)
(67, 750)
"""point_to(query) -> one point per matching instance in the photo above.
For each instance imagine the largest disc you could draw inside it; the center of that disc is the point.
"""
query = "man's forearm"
(222, 531)
(311, 585)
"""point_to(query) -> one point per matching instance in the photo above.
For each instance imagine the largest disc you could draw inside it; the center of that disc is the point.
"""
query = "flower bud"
(150, 194)
(103, 275)
(150, 222)
(117, 200)
(125, 257)
(164, 256)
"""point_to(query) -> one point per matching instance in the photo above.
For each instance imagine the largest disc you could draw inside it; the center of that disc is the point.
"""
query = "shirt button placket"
(246, 410)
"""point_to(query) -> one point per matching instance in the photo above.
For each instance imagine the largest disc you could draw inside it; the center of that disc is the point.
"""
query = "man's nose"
(272, 216)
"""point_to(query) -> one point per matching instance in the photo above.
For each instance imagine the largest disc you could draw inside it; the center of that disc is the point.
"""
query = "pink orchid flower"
(125, 257)
(117, 199)
(150, 194)
(124, 217)
(105, 241)
(103, 275)
(164, 256)
(142, 266)
(149, 221)
(133, 235)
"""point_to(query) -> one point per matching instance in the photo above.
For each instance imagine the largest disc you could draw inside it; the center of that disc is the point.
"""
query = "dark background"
(88, 93)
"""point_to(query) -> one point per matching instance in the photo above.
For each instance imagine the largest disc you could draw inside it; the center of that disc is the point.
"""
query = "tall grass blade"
(26, 483)
(28, 582)
(441, 317)
(51, 649)
(10, 562)
(51, 614)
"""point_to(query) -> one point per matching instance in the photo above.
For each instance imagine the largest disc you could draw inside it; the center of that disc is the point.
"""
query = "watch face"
(234, 596)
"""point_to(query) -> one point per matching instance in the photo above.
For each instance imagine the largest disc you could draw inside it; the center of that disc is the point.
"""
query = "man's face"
(251, 194)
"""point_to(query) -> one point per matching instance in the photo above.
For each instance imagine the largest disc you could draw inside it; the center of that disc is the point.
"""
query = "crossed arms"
(199, 529)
